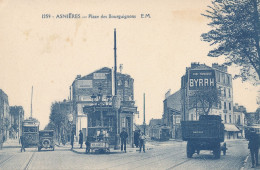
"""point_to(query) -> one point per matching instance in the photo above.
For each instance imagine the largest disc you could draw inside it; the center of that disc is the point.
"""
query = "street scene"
(159, 155)
(110, 87)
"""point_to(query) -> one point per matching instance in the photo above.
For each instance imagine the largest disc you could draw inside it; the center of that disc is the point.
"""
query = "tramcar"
(160, 133)
(30, 132)
(98, 139)
(256, 129)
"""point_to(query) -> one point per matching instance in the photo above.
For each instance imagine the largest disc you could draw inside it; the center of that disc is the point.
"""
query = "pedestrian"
(21, 141)
(80, 139)
(72, 140)
(253, 145)
(142, 142)
(136, 138)
(87, 143)
(224, 148)
(123, 136)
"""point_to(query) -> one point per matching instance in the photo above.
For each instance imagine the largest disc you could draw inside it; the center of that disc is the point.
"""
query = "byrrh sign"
(201, 79)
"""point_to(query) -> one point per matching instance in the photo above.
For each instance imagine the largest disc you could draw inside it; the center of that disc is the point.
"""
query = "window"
(225, 118)
(229, 106)
(191, 117)
(218, 77)
(123, 122)
(119, 82)
(220, 106)
(225, 105)
(230, 119)
(228, 80)
(126, 83)
(224, 92)
(229, 93)
(238, 120)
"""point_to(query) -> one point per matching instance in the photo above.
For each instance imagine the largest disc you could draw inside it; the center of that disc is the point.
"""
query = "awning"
(231, 128)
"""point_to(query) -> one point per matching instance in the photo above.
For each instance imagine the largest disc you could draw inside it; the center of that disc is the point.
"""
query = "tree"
(205, 99)
(235, 34)
(57, 117)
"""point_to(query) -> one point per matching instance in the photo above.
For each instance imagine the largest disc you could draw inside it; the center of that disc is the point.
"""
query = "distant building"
(240, 119)
(95, 91)
(17, 117)
(172, 106)
(4, 116)
(200, 77)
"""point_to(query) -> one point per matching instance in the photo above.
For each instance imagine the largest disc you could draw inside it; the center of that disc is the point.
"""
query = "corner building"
(98, 87)
(219, 79)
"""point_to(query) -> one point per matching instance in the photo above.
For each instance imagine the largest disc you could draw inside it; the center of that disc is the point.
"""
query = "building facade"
(240, 119)
(4, 116)
(17, 117)
(172, 113)
(94, 92)
(199, 79)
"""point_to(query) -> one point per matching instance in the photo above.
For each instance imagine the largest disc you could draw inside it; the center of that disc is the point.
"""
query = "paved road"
(164, 155)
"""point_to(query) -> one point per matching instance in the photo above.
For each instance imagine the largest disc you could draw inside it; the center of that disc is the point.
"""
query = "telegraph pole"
(31, 101)
(115, 83)
(144, 114)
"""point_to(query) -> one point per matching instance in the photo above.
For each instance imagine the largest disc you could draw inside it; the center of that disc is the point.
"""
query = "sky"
(48, 54)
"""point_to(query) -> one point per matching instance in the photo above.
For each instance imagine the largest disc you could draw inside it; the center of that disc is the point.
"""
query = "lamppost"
(99, 103)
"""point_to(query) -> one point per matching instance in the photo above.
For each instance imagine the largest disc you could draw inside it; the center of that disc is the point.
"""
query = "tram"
(160, 133)
(30, 132)
(98, 139)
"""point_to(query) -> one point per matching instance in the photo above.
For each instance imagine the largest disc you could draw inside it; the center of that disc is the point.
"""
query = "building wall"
(224, 86)
(17, 117)
(100, 82)
(4, 115)
(171, 112)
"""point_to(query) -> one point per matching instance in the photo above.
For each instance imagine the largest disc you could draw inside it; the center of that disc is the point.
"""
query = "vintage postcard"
(120, 84)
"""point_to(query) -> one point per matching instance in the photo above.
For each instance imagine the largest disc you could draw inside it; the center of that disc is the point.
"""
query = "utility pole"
(144, 115)
(31, 101)
(115, 83)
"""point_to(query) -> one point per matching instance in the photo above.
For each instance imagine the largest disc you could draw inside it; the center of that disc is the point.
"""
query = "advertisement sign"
(99, 76)
(201, 79)
(84, 84)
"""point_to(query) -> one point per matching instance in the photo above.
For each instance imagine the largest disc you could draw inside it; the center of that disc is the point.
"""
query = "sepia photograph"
(129, 84)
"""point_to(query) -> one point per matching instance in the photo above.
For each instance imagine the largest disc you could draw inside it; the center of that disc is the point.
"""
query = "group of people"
(139, 140)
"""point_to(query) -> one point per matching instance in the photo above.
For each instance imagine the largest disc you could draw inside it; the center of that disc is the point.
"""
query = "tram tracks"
(2, 163)
(24, 166)
(29, 162)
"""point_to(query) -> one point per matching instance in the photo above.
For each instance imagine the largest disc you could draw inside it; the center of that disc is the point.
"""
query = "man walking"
(142, 142)
(80, 139)
(72, 140)
(123, 136)
(253, 145)
(21, 141)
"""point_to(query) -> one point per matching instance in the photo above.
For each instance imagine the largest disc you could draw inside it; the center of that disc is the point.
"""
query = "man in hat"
(123, 136)
(253, 145)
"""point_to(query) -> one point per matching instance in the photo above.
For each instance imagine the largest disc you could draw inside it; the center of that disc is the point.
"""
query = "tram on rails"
(160, 133)
(255, 127)
(30, 132)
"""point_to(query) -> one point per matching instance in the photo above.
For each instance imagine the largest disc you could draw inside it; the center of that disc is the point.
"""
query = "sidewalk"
(248, 163)
(77, 149)
(11, 143)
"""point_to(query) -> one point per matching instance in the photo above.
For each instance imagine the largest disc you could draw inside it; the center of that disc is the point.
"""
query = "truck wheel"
(217, 151)
(189, 150)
